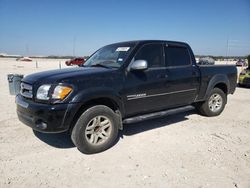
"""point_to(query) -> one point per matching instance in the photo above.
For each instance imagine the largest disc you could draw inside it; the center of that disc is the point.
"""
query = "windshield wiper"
(100, 65)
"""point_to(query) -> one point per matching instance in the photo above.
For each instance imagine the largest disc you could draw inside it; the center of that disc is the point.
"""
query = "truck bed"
(227, 73)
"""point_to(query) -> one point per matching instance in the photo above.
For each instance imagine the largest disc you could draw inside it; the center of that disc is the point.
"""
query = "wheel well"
(103, 101)
(222, 86)
(99, 101)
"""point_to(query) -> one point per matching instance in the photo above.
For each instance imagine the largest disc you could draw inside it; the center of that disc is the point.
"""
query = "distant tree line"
(44, 57)
(86, 57)
(222, 57)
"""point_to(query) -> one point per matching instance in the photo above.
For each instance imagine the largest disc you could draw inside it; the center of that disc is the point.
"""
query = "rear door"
(182, 76)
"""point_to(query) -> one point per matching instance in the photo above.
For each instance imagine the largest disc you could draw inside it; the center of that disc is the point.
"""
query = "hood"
(63, 74)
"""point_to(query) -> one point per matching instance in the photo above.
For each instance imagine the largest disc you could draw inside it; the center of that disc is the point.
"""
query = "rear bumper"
(44, 117)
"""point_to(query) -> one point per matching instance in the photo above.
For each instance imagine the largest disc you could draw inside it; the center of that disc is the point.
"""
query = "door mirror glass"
(139, 65)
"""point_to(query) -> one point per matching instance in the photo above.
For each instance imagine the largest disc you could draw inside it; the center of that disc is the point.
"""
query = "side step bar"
(136, 119)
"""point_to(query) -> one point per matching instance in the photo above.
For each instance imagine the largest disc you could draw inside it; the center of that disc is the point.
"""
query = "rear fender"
(217, 79)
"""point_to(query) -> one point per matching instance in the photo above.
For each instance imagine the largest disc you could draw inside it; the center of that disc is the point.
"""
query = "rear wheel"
(214, 105)
(96, 130)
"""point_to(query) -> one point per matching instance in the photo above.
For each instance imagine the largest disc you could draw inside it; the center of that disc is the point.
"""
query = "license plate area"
(21, 103)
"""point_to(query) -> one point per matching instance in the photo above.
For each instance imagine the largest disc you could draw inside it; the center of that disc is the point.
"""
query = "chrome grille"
(26, 90)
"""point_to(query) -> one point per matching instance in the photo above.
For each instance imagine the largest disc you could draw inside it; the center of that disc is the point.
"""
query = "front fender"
(95, 93)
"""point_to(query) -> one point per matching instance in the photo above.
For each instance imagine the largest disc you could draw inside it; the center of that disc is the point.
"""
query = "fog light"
(41, 125)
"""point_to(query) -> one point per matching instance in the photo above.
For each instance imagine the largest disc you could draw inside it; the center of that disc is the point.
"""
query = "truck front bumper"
(45, 117)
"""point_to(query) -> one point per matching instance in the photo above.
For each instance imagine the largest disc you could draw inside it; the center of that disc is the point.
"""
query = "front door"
(143, 89)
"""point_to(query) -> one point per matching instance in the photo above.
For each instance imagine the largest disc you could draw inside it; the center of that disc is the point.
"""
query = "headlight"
(60, 92)
(42, 92)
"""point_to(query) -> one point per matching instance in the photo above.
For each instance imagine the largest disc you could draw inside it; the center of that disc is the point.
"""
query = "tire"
(214, 105)
(95, 130)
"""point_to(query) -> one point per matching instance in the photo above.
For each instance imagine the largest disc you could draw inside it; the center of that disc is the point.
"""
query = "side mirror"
(139, 65)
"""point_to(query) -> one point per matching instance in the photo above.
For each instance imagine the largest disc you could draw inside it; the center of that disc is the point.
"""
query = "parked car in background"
(24, 59)
(76, 61)
(241, 63)
(206, 61)
(244, 79)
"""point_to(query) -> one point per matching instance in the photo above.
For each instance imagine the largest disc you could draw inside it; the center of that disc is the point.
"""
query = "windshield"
(112, 56)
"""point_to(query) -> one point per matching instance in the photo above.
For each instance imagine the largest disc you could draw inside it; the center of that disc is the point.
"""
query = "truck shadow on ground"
(136, 128)
(63, 140)
(58, 140)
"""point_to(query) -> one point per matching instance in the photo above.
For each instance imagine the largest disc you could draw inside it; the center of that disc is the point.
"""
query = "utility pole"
(74, 44)
(27, 50)
(227, 48)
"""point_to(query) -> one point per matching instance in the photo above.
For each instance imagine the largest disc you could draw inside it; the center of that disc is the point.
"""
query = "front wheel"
(214, 105)
(96, 130)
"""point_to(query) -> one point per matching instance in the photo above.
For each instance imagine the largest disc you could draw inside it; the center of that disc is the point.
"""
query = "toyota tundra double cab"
(121, 83)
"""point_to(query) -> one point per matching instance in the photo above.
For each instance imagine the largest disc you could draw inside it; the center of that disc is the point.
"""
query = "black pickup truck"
(122, 83)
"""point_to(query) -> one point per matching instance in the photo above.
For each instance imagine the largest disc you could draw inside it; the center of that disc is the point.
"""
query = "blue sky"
(50, 27)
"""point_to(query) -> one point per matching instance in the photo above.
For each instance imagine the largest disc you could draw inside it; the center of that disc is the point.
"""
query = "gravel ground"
(181, 150)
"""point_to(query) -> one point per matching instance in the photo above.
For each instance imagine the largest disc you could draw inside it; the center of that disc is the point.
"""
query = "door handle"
(194, 73)
(162, 76)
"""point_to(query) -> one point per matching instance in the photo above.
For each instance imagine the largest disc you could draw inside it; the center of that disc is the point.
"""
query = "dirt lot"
(182, 150)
